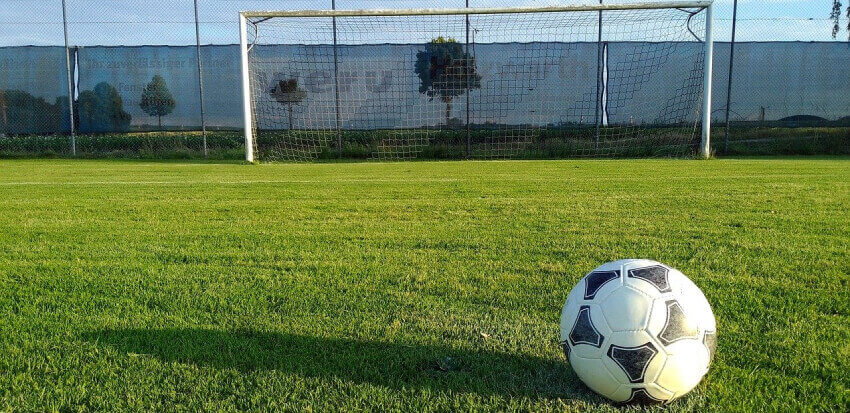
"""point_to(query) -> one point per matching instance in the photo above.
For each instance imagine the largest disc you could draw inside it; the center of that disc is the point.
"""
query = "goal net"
(612, 80)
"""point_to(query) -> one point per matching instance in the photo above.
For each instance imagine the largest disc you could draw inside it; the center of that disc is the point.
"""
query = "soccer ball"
(638, 331)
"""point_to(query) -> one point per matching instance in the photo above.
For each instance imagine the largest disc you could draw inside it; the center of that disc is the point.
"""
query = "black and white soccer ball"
(638, 331)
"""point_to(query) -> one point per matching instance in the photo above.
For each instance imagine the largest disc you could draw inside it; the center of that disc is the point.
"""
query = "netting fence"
(141, 86)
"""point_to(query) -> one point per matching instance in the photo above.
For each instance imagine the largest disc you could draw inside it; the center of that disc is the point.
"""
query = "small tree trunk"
(448, 111)
(3, 111)
(159, 121)
(290, 116)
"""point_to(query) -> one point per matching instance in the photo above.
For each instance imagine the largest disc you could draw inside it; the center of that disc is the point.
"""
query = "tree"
(102, 110)
(446, 71)
(21, 112)
(156, 99)
(288, 93)
(835, 15)
(3, 110)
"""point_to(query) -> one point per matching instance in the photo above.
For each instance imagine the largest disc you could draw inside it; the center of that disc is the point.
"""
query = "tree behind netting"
(446, 71)
(835, 15)
(287, 92)
(157, 99)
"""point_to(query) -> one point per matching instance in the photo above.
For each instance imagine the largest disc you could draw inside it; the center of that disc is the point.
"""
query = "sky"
(139, 22)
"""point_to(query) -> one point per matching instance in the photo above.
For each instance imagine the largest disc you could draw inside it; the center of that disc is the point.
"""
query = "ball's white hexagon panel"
(594, 375)
(657, 317)
(696, 305)
(622, 394)
(684, 367)
(626, 309)
(676, 280)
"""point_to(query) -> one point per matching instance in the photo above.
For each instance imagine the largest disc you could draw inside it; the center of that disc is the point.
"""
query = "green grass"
(190, 286)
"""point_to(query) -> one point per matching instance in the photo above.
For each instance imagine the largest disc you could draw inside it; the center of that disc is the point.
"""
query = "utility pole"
(200, 79)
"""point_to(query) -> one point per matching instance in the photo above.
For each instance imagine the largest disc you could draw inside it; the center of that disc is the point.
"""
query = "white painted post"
(246, 89)
(705, 145)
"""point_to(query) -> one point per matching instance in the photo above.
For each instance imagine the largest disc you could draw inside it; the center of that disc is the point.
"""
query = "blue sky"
(135, 22)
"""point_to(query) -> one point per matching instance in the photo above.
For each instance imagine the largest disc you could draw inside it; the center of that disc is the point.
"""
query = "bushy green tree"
(157, 99)
(835, 15)
(102, 110)
(446, 71)
(4, 109)
(288, 93)
(21, 112)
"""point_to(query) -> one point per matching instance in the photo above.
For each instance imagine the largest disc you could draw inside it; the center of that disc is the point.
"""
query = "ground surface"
(137, 285)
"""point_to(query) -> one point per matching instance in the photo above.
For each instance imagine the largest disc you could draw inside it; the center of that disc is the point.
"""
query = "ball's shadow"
(384, 364)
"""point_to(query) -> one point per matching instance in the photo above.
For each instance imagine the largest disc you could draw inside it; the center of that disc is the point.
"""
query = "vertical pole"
(598, 107)
(70, 80)
(336, 86)
(705, 145)
(246, 89)
(200, 79)
(468, 91)
(731, 68)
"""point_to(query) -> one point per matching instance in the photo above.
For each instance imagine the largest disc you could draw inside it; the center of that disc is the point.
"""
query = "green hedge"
(514, 142)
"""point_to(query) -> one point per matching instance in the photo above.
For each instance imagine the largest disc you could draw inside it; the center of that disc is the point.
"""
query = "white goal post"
(249, 19)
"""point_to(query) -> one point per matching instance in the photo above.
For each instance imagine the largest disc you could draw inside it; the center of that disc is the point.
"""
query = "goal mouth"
(621, 80)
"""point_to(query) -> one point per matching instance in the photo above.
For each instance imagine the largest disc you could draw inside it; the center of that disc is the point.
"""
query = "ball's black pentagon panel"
(633, 360)
(655, 275)
(584, 332)
(566, 347)
(596, 280)
(710, 341)
(677, 326)
(642, 397)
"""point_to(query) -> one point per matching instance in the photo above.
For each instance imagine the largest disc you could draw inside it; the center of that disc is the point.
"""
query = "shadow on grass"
(391, 365)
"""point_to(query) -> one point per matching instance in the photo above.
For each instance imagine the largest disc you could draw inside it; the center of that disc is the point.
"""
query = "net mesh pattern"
(510, 85)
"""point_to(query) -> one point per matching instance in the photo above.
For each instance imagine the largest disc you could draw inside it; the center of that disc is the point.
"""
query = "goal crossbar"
(481, 10)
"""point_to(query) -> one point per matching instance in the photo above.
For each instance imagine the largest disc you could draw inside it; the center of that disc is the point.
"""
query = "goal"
(612, 80)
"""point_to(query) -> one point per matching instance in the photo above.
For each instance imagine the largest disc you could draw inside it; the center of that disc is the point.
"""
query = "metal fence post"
(200, 79)
(70, 80)
(468, 90)
(731, 68)
(336, 86)
(599, 74)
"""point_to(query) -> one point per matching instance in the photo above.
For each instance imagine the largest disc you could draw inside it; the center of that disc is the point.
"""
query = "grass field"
(425, 286)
